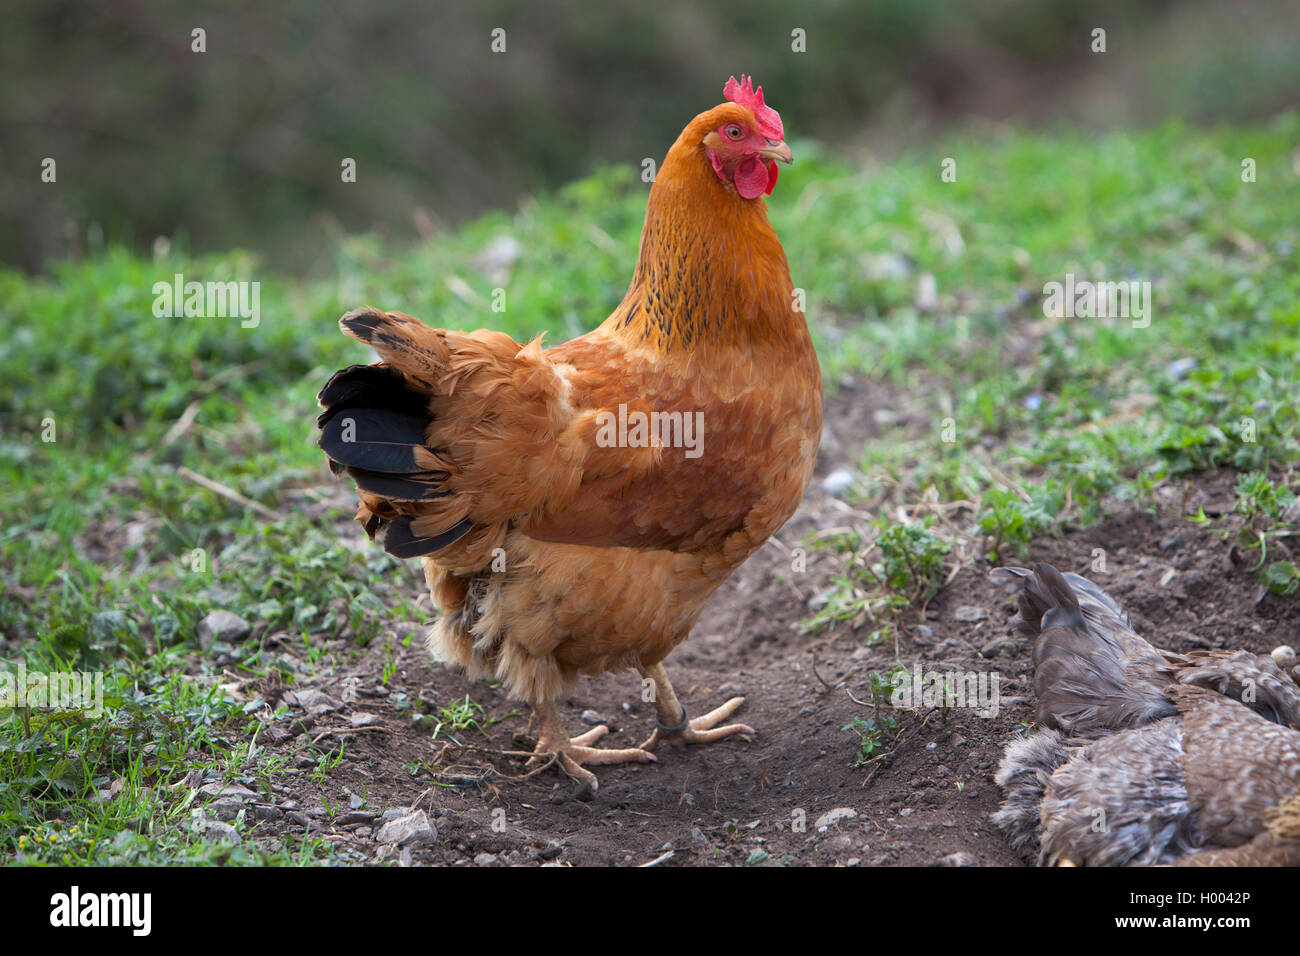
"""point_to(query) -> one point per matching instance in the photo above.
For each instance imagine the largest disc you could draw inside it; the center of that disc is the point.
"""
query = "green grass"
(876, 731)
(110, 553)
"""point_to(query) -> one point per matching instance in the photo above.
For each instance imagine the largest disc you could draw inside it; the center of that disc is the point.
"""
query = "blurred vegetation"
(1089, 411)
(241, 146)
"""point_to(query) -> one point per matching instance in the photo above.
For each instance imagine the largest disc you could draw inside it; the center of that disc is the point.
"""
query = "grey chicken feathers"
(1148, 757)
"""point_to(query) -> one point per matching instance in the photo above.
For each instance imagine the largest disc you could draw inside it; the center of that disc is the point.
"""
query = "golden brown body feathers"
(571, 555)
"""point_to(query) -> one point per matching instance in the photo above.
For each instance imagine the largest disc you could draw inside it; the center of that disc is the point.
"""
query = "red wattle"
(752, 178)
(771, 176)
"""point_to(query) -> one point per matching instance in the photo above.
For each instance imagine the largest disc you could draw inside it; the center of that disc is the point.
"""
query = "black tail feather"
(359, 386)
(402, 542)
(375, 439)
(374, 429)
(399, 487)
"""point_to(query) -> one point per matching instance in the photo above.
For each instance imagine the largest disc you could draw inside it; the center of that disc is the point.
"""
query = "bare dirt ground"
(927, 801)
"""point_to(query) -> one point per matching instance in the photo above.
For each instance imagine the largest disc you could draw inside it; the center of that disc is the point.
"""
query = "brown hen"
(574, 507)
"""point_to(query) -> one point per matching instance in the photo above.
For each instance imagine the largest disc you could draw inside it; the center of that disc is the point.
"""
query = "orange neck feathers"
(711, 271)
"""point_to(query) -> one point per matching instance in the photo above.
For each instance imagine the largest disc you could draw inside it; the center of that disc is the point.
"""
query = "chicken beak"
(777, 150)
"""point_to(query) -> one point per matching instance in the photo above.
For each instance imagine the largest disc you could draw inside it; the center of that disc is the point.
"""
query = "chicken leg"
(676, 728)
(573, 752)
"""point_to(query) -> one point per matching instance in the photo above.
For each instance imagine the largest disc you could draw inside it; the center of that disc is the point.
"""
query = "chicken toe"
(674, 725)
(573, 752)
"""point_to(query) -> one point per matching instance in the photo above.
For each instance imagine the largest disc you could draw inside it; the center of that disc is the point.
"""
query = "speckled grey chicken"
(1146, 756)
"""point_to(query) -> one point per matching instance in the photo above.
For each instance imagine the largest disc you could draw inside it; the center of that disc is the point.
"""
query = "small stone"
(354, 818)
(592, 719)
(413, 828)
(969, 614)
(365, 720)
(484, 859)
(839, 843)
(222, 626)
(230, 791)
(225, 809)
(927, 292)
(216, 832)
(499, 254)
(838, 481)
(315, 702)
(996, 646)
(278, 734)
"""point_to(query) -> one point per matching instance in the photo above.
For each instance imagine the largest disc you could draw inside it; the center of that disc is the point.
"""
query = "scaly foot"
(573, 752)
(701, 730)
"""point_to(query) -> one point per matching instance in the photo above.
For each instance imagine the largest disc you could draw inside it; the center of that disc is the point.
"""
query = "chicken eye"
(735, 132)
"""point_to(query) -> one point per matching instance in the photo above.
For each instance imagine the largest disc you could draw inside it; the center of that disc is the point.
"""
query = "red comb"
(744, 94)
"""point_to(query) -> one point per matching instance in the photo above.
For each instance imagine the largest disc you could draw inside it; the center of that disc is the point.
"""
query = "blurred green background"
(241, 146)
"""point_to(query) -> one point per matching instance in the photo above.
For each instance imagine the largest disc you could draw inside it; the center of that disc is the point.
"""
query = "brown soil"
(927, 801)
